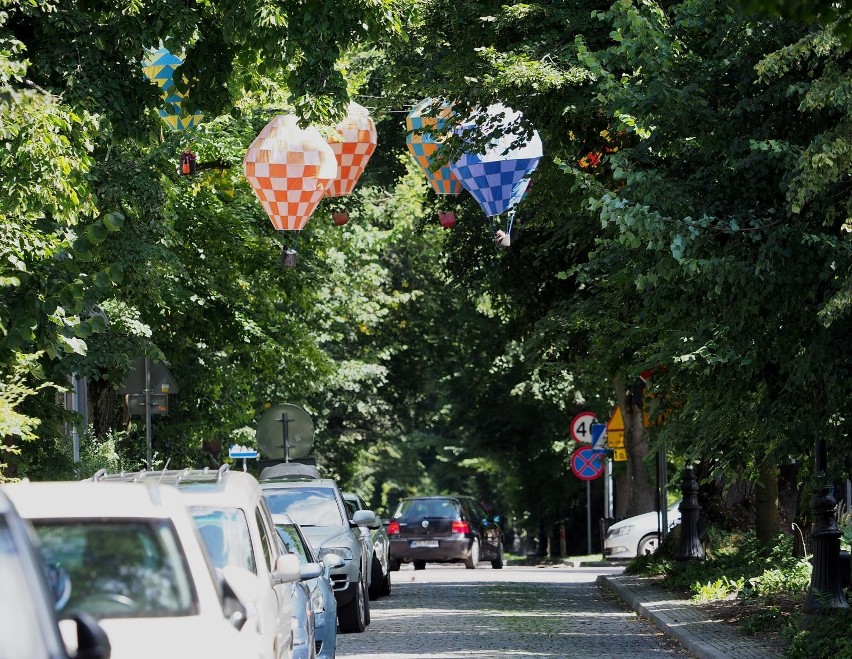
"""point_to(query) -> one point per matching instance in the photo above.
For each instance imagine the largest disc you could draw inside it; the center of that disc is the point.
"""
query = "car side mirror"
(84, 638)
(287, 569)
(310, 571)
(331, 562)
(365, 518)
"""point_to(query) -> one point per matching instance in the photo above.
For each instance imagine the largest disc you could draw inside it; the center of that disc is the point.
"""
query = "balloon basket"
(288, 258)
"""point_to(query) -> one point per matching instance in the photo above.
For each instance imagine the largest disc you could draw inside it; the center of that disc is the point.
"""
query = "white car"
(130, 556)
(639, 535)
(235, 524)
(28, 622)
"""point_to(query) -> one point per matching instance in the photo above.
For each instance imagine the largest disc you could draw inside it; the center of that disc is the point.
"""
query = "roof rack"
(185, 474)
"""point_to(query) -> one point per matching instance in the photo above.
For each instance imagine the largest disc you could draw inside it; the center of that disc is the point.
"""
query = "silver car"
(318, 508)
(378, 543)
(321, 593)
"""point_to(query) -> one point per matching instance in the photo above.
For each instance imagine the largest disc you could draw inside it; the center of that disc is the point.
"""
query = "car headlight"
(614, 533)
(344, 552)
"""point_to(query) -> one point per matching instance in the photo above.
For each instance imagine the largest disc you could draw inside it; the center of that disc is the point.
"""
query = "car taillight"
(460, 527)
(393, 528)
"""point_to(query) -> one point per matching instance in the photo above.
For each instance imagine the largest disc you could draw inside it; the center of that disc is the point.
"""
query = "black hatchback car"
(444, 529)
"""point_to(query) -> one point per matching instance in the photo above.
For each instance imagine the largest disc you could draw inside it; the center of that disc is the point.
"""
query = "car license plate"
(424, 544)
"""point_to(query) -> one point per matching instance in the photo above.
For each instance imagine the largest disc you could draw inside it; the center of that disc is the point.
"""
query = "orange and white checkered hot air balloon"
(290, 169)
(357, 139)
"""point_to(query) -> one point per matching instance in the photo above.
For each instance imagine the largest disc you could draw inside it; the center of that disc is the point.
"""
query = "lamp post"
(690, 547)
(826, 590)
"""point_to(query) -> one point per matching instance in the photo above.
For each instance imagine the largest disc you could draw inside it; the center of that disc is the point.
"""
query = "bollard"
(690, 547)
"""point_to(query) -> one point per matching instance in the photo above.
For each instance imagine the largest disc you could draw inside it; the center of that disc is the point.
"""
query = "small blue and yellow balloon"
(159, 66)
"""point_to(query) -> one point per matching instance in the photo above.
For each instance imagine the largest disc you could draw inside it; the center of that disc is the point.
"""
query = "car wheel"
(386, 585)
(497, 563)
(472, 561)
(648, 544)
(393, 565)
(352, 616)
(419, 565)
(376, 579)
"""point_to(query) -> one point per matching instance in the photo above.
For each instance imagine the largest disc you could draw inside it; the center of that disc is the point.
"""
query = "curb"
(689, 640)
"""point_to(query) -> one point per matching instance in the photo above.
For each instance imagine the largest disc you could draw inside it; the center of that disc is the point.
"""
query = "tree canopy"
(689, 220)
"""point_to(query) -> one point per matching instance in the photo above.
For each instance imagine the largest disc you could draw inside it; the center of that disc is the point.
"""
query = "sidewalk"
(683, 619)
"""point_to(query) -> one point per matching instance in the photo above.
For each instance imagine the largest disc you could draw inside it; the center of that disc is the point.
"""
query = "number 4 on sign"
(581, 427)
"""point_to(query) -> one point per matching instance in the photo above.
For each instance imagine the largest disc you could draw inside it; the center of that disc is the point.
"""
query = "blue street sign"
(598, 435)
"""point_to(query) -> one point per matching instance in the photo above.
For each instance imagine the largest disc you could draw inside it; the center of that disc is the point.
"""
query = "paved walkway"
(683, 619)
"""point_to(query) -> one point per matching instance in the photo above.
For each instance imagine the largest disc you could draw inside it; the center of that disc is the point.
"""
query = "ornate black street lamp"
(690, 547)
(826, 591)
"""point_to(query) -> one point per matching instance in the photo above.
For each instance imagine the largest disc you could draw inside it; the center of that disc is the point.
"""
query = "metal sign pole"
(664, 493)
(285, 422)
(148, 409)
(608, 488)
(589, 517)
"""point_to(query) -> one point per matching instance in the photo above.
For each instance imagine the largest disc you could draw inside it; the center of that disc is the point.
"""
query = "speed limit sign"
(581, 427)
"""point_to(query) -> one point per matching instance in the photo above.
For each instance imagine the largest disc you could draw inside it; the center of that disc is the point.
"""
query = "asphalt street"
(448, 612)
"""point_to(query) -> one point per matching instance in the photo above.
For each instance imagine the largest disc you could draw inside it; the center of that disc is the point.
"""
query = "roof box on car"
(293, 471)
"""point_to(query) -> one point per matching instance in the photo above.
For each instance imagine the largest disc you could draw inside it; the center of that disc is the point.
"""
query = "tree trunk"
(106, 408)
(766, 503)
(641, 498)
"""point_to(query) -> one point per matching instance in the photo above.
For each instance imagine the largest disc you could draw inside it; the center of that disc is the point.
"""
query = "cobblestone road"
(514, 613)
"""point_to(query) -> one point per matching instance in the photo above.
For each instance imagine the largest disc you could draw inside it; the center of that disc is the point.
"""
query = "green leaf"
(113, 221)
(97, 233)
(82, 249)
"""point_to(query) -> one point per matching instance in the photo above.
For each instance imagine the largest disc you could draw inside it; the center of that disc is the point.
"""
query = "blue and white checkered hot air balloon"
(498, 176)
(159, 66)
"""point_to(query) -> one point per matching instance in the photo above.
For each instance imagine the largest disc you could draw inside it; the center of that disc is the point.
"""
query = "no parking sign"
(586, 464)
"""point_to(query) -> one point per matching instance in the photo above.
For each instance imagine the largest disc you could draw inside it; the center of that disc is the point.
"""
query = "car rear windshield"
(419, 508)
(307, 506)
(119, 568)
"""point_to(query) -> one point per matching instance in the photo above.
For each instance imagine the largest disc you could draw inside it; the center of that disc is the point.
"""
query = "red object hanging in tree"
(447, 220)
(187, 163)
